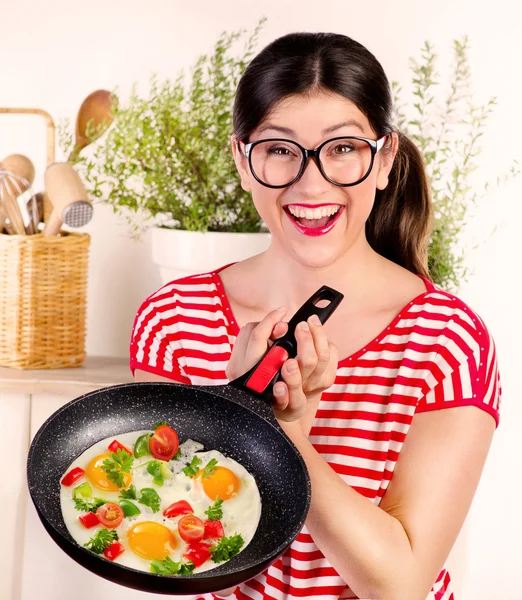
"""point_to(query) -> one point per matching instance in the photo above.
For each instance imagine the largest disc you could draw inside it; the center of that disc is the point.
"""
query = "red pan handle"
(261, 379)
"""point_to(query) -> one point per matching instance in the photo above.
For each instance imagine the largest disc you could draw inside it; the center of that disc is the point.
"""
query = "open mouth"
(316, 220)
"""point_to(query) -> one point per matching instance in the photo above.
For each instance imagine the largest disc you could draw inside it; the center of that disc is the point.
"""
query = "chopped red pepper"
(114, 446)
(182, 507)
(73, 476)
(198, 553)
(113, 551)
(213, 530)
(89, 520)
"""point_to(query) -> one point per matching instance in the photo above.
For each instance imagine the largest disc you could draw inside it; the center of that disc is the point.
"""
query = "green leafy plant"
(448, 133)
(167, 155)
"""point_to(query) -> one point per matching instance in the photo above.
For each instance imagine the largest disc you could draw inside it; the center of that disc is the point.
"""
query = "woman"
(381, 401)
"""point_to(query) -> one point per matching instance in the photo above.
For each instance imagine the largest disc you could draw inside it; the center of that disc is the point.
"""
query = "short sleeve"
(474, 379)
(154, 345)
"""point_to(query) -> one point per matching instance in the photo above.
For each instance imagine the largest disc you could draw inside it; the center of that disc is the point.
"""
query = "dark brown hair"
(304, 63)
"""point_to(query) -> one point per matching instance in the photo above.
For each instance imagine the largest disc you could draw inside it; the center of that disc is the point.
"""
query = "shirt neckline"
(430, 288)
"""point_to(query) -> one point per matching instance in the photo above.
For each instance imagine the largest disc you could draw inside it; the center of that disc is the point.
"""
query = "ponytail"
(400, 223)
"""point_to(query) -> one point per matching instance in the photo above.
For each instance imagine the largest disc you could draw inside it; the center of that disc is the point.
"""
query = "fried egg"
(149, 535)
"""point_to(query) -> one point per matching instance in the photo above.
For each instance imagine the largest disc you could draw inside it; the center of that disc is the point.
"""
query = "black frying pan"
(233, 419)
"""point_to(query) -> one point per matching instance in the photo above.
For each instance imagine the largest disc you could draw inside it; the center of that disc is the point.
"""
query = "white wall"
(55, 53)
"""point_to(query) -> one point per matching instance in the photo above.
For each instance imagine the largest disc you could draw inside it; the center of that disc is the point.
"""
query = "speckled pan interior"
(221, 418)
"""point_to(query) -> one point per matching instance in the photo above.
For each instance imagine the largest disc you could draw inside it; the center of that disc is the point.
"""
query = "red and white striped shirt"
(436, 353)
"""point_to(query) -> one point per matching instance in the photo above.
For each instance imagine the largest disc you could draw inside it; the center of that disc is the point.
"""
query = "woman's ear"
(241, 164)
(386, 158)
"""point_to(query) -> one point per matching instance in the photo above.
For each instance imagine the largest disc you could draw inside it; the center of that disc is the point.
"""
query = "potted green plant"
(447, 130)
(166, 164)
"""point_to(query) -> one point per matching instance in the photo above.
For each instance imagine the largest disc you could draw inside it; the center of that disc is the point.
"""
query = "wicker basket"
(43, 290)
(42, 300)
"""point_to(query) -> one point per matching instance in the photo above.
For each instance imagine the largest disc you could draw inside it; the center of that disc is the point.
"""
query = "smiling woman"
(394, 401)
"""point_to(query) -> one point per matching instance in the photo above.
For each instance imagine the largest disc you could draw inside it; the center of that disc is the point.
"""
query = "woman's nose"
(312, 182)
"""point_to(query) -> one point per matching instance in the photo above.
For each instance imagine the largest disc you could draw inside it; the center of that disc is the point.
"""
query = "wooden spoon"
(11, 187)
(96, 109)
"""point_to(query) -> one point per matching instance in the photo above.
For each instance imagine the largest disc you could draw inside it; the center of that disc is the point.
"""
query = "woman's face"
(311, 121)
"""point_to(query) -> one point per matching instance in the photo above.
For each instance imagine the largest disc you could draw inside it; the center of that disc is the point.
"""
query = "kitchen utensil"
(16, 176)
(50, 141)
(96, 109)
(35, 206)
(233, 419)
(67, 193)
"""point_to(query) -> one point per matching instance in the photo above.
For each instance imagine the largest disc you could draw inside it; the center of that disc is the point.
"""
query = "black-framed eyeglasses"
(343, 161)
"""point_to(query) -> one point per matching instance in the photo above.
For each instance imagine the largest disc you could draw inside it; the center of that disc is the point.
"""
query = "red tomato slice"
(110, 515)
(182, 507)
(197, 553)
(73, 476)
(113, 551)
(213, 530)
(191, 529)
(164, 443)
(114, 446)
(89, 520)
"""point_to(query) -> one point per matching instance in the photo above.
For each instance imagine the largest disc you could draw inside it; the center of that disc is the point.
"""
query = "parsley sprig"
(128, 494)
(160, 424)
(149, 497)
(210, 468)
(88, 505)
(226, 548)
(193, 469)
(169, 567)
(119, 462)
(101, 539)
(215, 512)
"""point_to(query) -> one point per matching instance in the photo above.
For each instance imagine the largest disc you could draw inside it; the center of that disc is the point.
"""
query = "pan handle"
(262, 377)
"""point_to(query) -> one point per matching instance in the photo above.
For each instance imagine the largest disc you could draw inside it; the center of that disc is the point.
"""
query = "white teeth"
(301, 212)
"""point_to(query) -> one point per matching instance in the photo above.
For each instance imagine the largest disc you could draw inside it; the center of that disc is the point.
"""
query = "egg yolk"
(98, 478)
(151, 540)
(223, 483)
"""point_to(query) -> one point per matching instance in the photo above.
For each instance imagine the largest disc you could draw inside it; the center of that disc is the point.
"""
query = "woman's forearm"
(368, 547)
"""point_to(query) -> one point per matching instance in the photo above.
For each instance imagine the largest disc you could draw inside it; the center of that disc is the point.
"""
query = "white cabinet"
(31, 564)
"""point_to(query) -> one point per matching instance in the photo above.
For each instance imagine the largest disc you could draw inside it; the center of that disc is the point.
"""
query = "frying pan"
(237, 419)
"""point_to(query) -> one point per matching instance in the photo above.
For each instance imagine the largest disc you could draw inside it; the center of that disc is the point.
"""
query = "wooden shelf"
(95, 372)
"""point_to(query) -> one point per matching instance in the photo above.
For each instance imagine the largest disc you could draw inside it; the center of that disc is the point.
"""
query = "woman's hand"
(304, 378)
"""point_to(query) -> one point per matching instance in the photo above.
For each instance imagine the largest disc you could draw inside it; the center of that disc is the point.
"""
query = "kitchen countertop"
(96, 371)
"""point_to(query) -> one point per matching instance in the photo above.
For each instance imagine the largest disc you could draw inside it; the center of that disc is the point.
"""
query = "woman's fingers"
(306, 353)
(290, 400)
(260, 336)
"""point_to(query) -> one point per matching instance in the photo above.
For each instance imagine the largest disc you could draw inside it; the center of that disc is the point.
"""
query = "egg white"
(241, 513)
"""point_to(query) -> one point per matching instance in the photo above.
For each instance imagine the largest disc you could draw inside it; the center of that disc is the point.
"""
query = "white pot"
(179, 253)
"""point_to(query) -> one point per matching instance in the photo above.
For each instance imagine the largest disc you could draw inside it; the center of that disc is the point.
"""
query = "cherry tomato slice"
(214, 530)
(73, 476)
(197, 553)
(113, 551)
(164, 443)
(110, 515)
(89, 520)
(182, 507)
(114, 446)
(191, 529)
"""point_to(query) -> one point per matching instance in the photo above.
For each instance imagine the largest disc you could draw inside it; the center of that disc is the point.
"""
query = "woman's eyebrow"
(288, 131)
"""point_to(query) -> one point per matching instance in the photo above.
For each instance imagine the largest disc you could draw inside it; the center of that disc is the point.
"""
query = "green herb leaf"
(129, 494)
(160, 424)
(101, 540)
(119, 462)
(192, 469)
(149, 497)
(226, 548)
(210, 468)
(177, 455)
(88, 505)
(215, 512)
(141, 447)
(169, 567)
